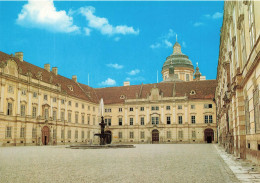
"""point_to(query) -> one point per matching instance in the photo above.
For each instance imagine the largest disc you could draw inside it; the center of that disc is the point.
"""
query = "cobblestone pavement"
(145, 163)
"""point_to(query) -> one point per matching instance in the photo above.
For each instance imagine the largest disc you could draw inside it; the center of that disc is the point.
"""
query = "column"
(162, 115)
(18, 101)
(2, 98)
(29, 104)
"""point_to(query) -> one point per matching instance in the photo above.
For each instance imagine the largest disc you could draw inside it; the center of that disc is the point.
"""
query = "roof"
(113, 95)
(203, 90)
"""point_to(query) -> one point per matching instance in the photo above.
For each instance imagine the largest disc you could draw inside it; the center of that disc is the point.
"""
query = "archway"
(208, 135)
(45, 135)
(108, 137)
(155, 136)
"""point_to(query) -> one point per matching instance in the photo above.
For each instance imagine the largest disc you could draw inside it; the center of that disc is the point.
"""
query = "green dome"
(177, 59)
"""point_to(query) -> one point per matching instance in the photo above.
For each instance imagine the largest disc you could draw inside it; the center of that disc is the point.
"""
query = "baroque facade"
(238, 77)
(40, 107)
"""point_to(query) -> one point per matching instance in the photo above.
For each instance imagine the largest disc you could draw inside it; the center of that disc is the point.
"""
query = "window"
(187, 77)
(131, 109)
(54, 133)
(62, 101)
(142, 120)
(62, 114)
(23, 91)
(108, 110)
(168, 107)
(120, 109)
(8, 133)
(180, 119)
(33, 132)
(82, 134)
(120, 121)
(82, 119)
(10, 89)
(34, 110)
(88, 134)
(76, 118)
(108, 121)
(62, 134)
(22, 130)
(192, 106)
(82, 106)
(23, 110)
(69, 117)
(9, 109)
(76, 104)
(141, 108)
(193, 119)
(69, 134)
(76, 134)
(45, 97)
(179, 106)
(54, 115)
(46, 114)
(94, 120)
(155, 108)
(168, 119)
(69, 103)
(207, 106)
(193, 134)
(131, 135)
(88, 120)
(89, 108)
(54, 99)
(94, 109)
(208, 119)
(34, 95)
(180, 134)
(168, 134)
(155, 120)
(131, 121)
(142, 135)
(120, 135)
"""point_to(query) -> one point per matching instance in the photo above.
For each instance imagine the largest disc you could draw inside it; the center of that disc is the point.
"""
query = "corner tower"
(177, 66)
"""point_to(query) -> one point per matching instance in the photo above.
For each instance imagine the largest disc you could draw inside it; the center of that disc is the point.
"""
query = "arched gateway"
(209, 135)
(108, 137)
(155, 136)
(45, 135)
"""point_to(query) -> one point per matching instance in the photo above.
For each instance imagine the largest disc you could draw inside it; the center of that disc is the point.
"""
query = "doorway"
(155, 136)
(45, 135)
(209, 135)
(108, 137)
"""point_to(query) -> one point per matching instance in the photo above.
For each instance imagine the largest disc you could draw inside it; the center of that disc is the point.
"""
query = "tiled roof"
(112, 95)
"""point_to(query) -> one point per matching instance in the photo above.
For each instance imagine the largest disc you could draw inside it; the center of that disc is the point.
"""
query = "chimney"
(55, 70)
(74, 78)
(19, 55)
(127, 83)
(47, 67)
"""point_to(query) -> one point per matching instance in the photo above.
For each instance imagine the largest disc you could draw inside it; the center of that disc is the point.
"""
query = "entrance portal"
(45, 135)
(209, 135)
(155, 136)
(108, 137)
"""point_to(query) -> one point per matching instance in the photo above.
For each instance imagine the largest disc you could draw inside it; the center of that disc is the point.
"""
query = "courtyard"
(145, 163)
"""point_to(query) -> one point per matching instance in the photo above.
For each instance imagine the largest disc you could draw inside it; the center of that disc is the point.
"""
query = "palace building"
(238, 77)
(40, 107)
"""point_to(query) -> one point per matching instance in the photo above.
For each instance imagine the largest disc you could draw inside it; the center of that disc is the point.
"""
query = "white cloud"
(197, 24)
(108, 82)
(101, 24)
(164, 40)
(87, 31)
(115, 66)
(217, 15)
(43, 15)
(133, 72)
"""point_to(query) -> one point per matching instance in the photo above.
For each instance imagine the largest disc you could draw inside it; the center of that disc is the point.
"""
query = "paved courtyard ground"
(145, 163)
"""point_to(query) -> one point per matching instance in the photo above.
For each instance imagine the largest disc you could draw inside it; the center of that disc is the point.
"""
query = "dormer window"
(70, 87)
(192, 92)
(122, 97)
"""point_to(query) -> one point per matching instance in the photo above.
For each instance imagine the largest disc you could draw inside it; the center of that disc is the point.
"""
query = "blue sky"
(111, 41)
